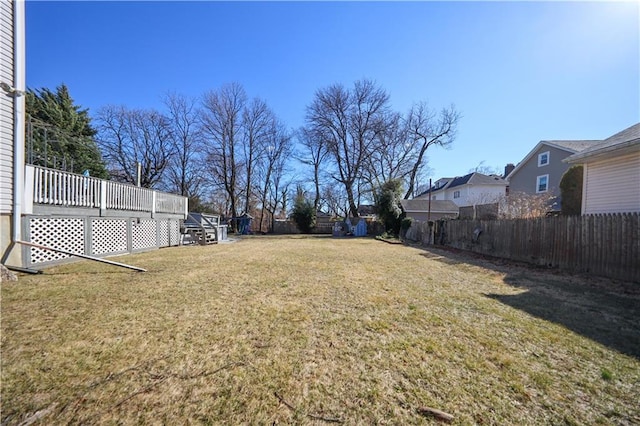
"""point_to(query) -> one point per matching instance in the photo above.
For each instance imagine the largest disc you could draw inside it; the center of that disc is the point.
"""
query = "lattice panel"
(143, 234)
(163, 235)
(174, 232)
(61, 233)
(169, 233)
(108, 236)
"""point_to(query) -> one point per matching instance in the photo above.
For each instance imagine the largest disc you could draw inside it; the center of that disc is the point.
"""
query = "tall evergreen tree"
(388, 197)
(62, 129)
(571, 190)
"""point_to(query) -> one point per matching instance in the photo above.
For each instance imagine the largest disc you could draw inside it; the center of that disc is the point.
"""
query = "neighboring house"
(611, 173)
(541, 170)
(366, 210)
(468, 190)
(418, 209)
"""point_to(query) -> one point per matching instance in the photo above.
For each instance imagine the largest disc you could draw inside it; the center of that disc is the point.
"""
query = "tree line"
(231, 154)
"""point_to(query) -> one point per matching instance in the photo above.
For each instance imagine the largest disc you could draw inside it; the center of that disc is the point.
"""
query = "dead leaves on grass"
(311, 416)
(144, 368)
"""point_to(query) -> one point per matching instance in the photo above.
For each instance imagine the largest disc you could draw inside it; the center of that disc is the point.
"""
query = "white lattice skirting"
(59, 233)
(96, 236)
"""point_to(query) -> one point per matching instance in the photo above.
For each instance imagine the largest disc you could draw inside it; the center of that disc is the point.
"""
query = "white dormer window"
(543, 159)
(456, 194)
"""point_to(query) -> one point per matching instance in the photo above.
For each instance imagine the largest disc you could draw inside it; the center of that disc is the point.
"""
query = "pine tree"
(304, 214)
(63, 130)
(388, 206)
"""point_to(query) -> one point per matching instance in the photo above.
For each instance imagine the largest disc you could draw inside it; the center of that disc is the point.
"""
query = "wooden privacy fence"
(604, 245)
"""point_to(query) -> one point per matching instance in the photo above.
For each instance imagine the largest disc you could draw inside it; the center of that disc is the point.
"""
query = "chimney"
(508, 169)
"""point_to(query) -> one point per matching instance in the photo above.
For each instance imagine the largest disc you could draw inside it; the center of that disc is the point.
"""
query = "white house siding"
(6, 107)
(612, 185)
(476, 194)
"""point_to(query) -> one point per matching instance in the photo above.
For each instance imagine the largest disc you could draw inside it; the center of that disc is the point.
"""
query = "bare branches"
(272, 168)
(221, 125)
(348, 122)
(127, 137)
(185, 172)
(424, 129)
(367, 143)
(518, 205)
(315, 152)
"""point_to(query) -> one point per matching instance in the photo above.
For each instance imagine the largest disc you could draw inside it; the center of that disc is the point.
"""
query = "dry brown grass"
(300, 330)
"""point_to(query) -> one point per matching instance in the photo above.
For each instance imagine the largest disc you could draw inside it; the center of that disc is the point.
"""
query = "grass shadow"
(603, 310)
(608, 319)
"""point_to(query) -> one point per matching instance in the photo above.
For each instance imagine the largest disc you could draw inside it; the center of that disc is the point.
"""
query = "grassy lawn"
(303, 330)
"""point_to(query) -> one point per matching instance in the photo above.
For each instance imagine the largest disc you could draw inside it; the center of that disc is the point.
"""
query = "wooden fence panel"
(604, 245)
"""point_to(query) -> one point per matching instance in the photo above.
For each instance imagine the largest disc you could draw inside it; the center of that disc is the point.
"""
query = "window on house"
(456, 194)
(543, 159)
(542, 183)
(433, 198)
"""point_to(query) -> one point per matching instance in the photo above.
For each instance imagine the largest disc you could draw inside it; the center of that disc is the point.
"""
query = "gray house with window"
(541, 170)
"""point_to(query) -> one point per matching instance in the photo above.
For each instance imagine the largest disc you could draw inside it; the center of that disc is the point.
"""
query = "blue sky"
(519, 72)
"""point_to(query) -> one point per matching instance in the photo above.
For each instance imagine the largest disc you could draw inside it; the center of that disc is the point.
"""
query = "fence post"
(154, 199)
(103, 198)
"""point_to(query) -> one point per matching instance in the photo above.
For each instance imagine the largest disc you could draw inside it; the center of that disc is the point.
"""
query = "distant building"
(542, 168)
(468, 190)
(611, 173)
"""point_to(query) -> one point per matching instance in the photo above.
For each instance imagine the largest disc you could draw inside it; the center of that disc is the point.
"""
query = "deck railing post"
(27, 200)
(103, 198)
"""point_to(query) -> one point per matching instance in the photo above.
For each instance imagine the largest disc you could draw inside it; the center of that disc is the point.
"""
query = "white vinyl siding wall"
(612, 186)
(6, 107)
(476, 194)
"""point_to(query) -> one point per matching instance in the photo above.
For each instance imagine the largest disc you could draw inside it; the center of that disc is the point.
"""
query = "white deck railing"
(128, 197)
(54, 187)
(45, 186)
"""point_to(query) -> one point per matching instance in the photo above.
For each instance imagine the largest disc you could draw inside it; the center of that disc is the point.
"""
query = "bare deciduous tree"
(368, 143)
(334, 200)
(273, 169)
(392, 156)
(221, 121)
(185, 173)
(314, 154)
(127, 137)
(349, 122)
(425, 128)
(258, 134)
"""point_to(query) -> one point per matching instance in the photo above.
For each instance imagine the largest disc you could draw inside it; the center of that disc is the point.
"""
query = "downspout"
(19, 116)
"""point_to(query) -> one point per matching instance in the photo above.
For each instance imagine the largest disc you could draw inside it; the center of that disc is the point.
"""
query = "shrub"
(304, 214)
(388, 205)
(571, 191)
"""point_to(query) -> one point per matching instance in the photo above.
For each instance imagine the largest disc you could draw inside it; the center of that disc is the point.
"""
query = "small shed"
(243, 224)
(347, 229)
